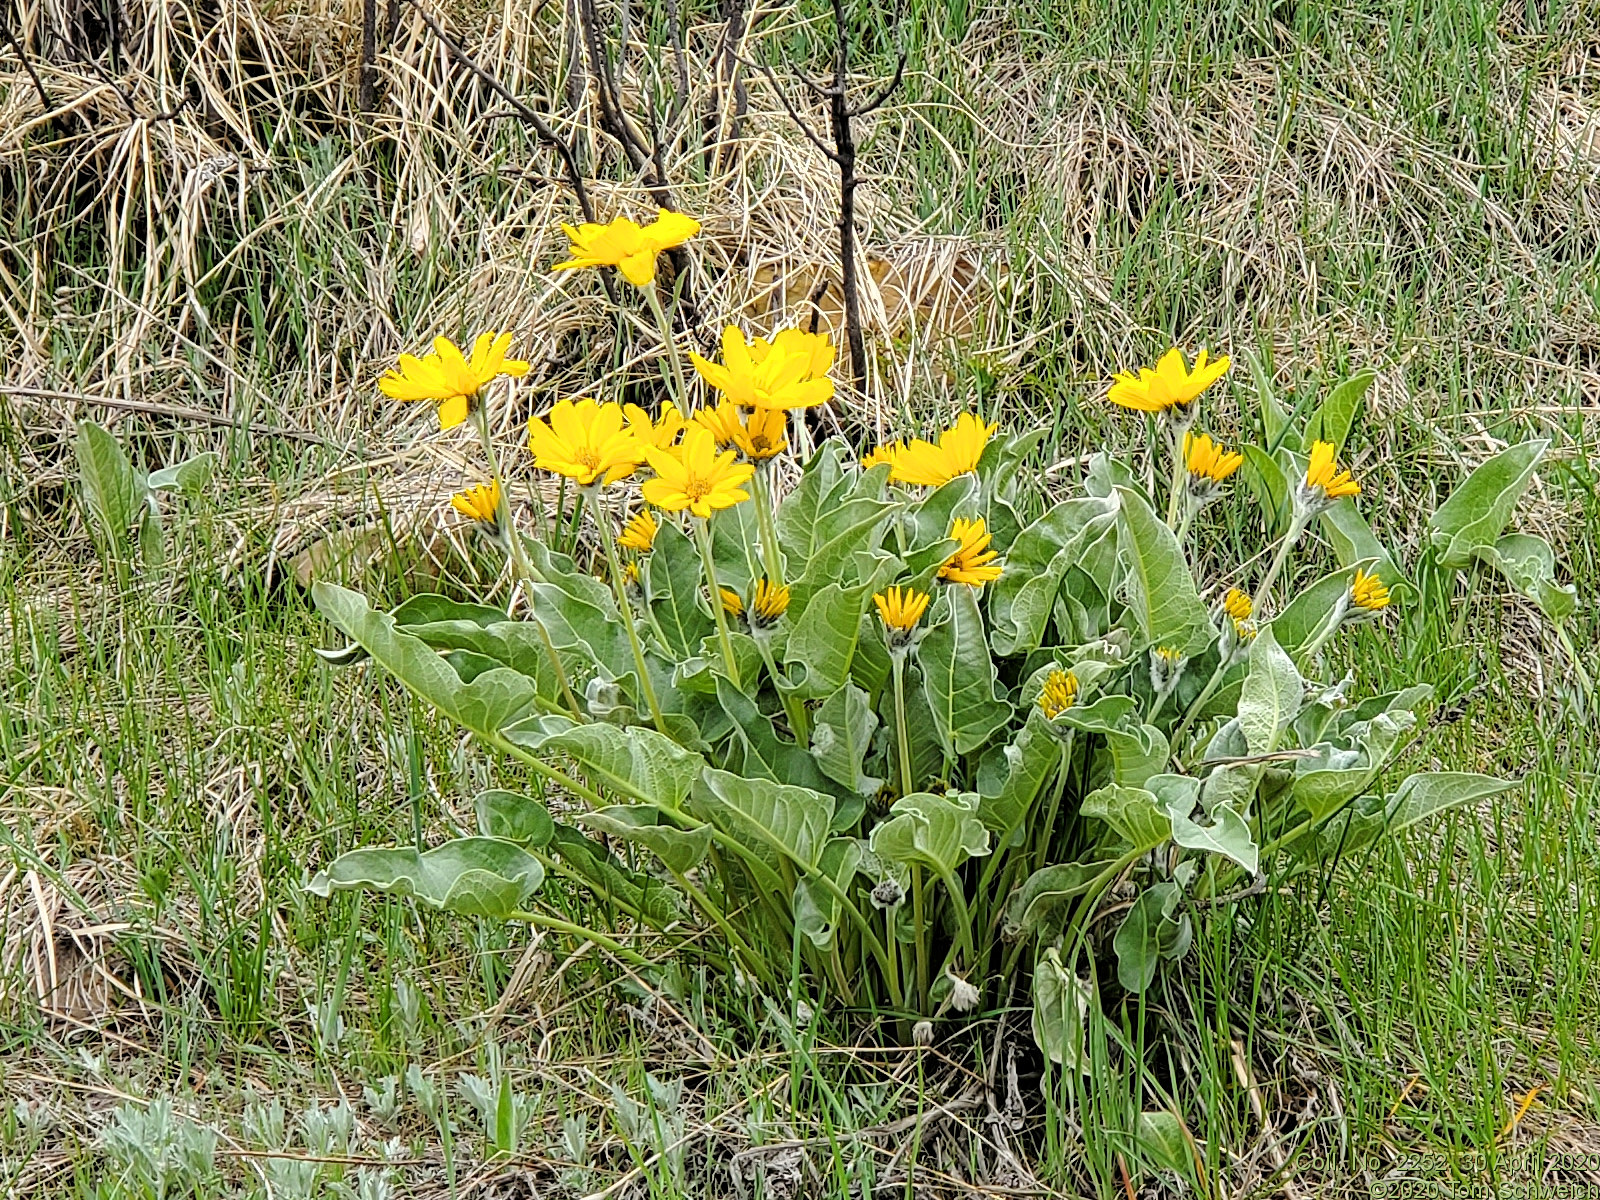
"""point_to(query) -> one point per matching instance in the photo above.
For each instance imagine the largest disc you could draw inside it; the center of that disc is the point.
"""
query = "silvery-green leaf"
(1160, 589)
(1040, 907)
(773, 819)
(636, 762)
(189, 476)
(1472, 518)
(958, 675)
(1354, 542)
(940, 832)
(1315, 611)
(1132, 812)
(513, 817)
(1337, 412)
(841, 735)
(1021, 600)
(1060, 1012)
(1225, 832)
(1271, 695)
(1153, 929)
(1011, 777)
(491, 701)
(673, 580)
(817, 909)
(110, 484)
(473, 876)
(681, 849)
(1267, 483)
(822, 642)
(1529, 565)
(1162, 1139)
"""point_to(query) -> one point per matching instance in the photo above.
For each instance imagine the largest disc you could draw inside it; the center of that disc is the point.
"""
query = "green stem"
(1177, 478)
(898, 659)
(1297, 526)
(680, 390)
(793, 707)
(1190, 511)
(518, 553)
(771, 553)
(702, 539)
(619, 590)
(1199, 702)
(922, 938)
(557, 925)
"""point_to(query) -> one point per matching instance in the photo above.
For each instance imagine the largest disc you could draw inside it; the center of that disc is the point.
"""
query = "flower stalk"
(618, 589)
(702, 540)
(680, 389)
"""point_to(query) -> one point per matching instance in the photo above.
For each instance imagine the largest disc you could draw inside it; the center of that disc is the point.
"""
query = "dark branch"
(794, 115)
(888, 89)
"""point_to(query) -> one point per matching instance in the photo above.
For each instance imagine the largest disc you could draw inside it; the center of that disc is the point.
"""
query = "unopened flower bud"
(888, 894)
(922, 1033)
(963, 995)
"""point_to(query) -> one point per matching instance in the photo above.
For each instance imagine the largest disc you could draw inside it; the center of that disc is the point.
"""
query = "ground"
(210, 246)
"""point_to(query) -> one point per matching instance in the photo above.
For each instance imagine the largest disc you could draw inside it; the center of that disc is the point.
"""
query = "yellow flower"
(584, 441)
(790, 371)
(883, 454)
(973, 561)
(629, 247)
(757, 437)
(639, 534)
(731, 604)
(1060, 693)
(1238, 605)
(1368, 592)
(630, 574)
(901, 608)
(1208, 462)
(957, 453)
(448, 378)
(1170, 385)
(770, 603)
(695, 476)
(660, 434)
(1323, 472)
(481, 503)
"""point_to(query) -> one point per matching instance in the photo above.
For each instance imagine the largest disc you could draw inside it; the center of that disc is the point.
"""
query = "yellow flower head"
(731, 604)
(790, 371)
(1368, 592)
(901, 608)
(481, 503)
(662, 433)
(639, 534)
(449, 378)
(1060, 693)
(630, 574)
(883, 454)
(585, 442)
(957, 453)
(695, 476)
(760, 436)
(629, 247)
(1238, 605)
(1171, 385)
(770, 603)
(1323, 472)
(1209, 464)
(972, 562)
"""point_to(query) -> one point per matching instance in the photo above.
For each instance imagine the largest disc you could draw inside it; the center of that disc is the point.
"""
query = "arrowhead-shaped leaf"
(474, 876)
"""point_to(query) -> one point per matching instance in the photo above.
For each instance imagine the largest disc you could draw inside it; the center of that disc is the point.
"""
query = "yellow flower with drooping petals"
(585, 442)
(790, 371)
(1060, 693)
(639, 534)
(1368, 592)
(1322, 471)
(1170, 386)
(660, 433)
(759, 436)
(450, 379)
(695, 476)
(901, 608)
(959, 449)
(731, 604)
(887, 453)
(1238, 605)
(628, 246)
(630, 575)
(973, 561)
(1209, 464)
(481, 503)
(771, 602)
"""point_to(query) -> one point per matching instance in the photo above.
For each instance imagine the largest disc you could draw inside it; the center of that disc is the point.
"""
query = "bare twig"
(367, 91)
(177, 411)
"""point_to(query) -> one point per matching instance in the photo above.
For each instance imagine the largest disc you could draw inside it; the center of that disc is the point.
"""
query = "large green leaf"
(759, 752)
(681, 849)
(1529, 565)
(1011, 777)
(1039, 908)
(1354, 542)
(636, 762)
(958, 674)
(1225, 832)
(1337, 413)
(938, 832)
(1314, 611)
(1060, 1012)
(822, 642)
(1138, 751)
(1271, 696)
(474, 876)
(1160, 589)
(674, 580)
(1132, 812)
(513, 817)
(1153, 929)
(1472, 518)
(1268, 484)
(1419, 797)
(773, 819)
(490, 702)
(841, 734)
(609, 879)
(110, 484)
(1021, 600)
(818, 909)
